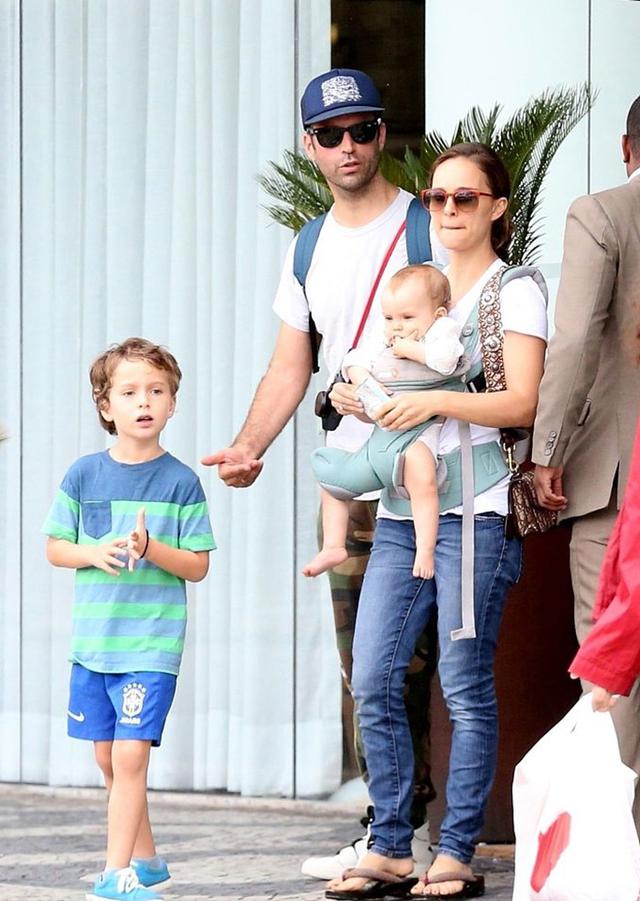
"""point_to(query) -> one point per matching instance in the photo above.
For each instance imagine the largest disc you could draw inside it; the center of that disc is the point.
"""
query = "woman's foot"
(397, 866)
(326, 559)
(443, 864)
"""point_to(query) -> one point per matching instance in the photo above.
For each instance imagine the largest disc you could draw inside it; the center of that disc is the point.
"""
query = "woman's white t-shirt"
(524, 310)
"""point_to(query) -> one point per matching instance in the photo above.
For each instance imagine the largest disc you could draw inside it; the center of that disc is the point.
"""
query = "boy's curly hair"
(102, 369)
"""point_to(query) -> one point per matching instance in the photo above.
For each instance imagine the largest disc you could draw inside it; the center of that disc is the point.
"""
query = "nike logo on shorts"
(78, 717)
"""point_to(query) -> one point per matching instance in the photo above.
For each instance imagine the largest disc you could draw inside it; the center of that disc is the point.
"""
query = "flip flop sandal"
(379, 885)
(472, 887)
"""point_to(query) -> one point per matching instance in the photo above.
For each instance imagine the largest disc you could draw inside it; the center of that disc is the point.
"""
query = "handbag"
(525, 516)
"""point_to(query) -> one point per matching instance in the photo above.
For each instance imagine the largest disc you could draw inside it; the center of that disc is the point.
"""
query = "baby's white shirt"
(442, 347)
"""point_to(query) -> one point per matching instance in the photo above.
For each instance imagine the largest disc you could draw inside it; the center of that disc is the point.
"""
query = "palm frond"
(399, 172)
(527, 143)
(477, 126)
(300, 188)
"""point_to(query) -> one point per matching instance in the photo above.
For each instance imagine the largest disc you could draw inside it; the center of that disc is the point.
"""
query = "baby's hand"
(138, 540)
(107, 556)
(408, 349)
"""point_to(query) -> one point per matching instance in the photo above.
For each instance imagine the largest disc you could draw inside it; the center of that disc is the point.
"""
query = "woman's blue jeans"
(394, 608)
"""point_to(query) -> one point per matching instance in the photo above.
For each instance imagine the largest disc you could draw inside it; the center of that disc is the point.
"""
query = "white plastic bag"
(572, 797)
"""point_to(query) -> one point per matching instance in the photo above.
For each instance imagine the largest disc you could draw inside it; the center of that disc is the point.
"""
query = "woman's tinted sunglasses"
(465, 199)
(332, 135)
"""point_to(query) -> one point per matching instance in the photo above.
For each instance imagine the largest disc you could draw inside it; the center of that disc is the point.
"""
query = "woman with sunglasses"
(468, 201)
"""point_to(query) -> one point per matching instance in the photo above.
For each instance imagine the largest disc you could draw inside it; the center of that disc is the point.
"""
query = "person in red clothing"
(610, 655)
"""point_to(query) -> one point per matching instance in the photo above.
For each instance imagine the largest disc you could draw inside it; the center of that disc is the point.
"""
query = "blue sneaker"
(151, 875)
(121, 885)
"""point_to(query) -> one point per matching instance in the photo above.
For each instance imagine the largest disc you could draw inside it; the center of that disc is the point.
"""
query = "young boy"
(419, 348)
(133, 522)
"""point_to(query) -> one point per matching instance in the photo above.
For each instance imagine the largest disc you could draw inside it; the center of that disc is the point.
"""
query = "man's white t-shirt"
(524, 310)
(343, 269)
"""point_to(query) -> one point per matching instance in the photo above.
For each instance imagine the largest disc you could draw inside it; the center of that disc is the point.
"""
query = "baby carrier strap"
(418, 251)
(512, 272)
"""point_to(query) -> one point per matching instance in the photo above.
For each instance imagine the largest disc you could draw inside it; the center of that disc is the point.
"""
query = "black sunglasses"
(465, 199)
(332, 135)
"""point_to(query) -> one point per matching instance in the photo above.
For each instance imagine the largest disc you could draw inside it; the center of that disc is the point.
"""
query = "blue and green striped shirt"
(135, 621)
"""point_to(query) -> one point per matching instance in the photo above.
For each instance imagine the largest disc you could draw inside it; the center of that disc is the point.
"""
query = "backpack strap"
(305, 245)
(418, 239)
(302, 256)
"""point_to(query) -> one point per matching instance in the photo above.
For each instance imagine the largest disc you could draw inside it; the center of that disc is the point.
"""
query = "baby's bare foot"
(326, 559)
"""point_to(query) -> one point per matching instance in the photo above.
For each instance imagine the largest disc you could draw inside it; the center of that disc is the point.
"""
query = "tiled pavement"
(218, 847)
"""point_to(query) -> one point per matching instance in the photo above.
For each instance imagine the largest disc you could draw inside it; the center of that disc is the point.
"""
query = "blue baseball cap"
(338, 93)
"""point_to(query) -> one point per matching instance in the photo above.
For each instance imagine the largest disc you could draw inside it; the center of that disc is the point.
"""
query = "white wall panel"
(615, 51)
(143, 128)
(505, 51)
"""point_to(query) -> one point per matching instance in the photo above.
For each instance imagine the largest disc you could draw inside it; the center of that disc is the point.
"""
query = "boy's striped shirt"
(134, 621)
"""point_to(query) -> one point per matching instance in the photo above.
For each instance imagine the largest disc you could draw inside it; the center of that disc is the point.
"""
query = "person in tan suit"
(590, 392)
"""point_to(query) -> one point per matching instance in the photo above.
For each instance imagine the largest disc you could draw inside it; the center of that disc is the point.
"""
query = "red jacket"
(610, 655)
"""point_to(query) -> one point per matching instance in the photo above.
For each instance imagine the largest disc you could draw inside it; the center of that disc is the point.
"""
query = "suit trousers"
(589, 538)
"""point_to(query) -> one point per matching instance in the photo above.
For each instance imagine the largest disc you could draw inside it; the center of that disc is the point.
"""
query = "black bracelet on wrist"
(146, 545)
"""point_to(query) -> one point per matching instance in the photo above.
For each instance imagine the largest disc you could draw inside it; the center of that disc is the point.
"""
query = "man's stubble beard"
(352, 185)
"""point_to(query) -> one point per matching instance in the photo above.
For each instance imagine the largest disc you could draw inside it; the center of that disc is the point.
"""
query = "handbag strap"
(492, 349)
(491, 337)
(376, 282)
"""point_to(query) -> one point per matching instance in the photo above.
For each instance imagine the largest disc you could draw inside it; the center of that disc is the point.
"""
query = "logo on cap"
(339, 89)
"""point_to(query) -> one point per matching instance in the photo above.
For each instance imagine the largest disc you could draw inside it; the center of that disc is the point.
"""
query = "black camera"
(325, 409)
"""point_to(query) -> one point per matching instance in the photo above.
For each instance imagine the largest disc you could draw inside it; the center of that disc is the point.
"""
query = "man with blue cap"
(361, 244)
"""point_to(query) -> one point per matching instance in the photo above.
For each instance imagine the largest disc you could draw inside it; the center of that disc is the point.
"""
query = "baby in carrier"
(417, 347)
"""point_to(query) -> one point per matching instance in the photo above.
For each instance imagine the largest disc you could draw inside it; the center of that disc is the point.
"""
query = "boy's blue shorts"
(108, 706)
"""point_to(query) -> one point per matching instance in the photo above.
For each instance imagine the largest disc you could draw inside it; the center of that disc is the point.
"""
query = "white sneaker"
(333, 867)
(421, 850)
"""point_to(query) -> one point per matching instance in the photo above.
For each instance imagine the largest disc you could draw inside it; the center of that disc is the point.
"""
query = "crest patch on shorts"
(133, 695)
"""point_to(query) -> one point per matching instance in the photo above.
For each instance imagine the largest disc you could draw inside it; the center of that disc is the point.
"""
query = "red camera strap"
(374, 288)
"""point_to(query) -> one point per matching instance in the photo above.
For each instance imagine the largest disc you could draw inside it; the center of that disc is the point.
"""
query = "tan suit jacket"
(590, 392)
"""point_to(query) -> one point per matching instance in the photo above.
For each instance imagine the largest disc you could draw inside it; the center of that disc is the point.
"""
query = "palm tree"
(527, 143)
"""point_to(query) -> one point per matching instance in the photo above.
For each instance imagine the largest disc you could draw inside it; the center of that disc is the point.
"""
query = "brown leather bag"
(525, 516)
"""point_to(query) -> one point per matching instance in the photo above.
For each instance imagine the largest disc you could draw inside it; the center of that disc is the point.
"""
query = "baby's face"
(407, 312)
